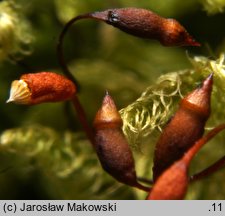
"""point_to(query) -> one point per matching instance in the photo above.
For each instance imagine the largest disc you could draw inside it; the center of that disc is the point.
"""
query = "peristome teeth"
(19, 92)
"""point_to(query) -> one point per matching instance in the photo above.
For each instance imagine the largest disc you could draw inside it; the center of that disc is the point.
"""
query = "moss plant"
(147, 82)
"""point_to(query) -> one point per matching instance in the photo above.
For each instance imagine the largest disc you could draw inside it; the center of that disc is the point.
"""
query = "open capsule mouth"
(19, 92)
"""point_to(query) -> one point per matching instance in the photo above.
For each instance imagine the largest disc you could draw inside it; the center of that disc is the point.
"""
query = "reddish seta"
(111, 145)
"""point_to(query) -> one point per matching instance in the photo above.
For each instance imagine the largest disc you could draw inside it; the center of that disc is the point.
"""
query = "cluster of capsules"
(181, 138)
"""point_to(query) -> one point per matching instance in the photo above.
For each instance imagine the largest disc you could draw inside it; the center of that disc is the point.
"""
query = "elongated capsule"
(111, 146)
(184, 129)
(35, 88)
(173, 183)
(146, 24)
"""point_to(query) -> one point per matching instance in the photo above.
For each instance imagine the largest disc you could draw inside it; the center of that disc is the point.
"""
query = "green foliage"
(43, 146)
(213, 6)
(15, 31)
(152, 109)
(157, 103)
(67, 162)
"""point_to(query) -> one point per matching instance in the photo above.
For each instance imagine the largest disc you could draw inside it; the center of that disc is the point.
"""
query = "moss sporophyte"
(182, 136)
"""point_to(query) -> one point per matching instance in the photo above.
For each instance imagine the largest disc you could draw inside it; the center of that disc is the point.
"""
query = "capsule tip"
(9, 100)
(209, 80)
(108, 113)
(207, 84)
(191, 41)
(199, 99)
(194, 43)
(108, 103)
(176, 35)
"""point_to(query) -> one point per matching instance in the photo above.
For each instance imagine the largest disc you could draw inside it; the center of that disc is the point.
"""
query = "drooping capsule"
(111, 145)
(135, 21)
(35, 88)
(147, 24)
(184, 129)
(172, 184)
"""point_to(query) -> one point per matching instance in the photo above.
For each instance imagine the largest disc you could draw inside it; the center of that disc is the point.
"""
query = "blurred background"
(43, 151)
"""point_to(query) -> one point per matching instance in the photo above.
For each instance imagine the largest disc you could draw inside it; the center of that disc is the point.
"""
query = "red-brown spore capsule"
(111, 145)
(184, 129)
(172, 184)
(35, 88)
(146, 24)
